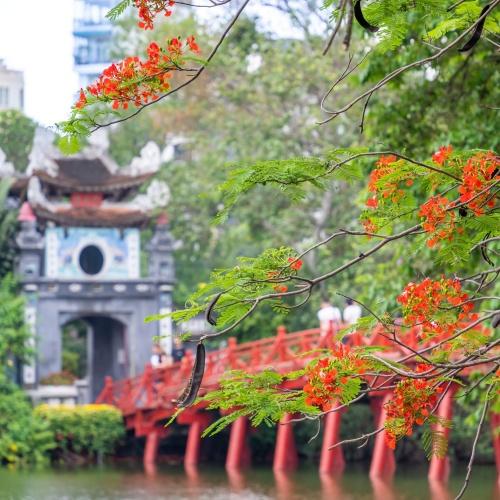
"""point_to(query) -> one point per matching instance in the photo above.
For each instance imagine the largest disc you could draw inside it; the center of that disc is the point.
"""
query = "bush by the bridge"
(25, 439)
(88, 431)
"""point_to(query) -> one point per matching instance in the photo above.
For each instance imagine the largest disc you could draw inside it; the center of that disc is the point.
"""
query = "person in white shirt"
(159, 359)
(329, 317)
(352, 312)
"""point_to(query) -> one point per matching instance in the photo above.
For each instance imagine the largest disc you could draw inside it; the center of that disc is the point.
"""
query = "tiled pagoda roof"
(89, 175)
(102, 216)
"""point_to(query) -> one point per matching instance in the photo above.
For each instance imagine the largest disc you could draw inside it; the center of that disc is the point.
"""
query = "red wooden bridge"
(146, 403)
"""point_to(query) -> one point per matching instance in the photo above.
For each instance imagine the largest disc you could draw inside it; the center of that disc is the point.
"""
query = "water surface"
(206, 483)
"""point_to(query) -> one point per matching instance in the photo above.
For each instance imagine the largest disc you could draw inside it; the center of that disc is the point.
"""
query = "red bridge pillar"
(151, 448)
(332, 461)
(439, 469)
(198, 423)
(238, 452)
(383, 464)
(285, 453)
(495, 430)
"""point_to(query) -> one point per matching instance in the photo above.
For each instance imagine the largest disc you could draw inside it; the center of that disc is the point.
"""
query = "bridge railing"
(157, 387)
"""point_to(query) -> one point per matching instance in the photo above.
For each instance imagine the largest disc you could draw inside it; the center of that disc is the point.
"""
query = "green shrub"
(88, 429)
(25, 439)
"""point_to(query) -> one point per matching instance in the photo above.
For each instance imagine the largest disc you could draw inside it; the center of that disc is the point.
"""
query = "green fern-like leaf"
(118, 10)
(435, 443)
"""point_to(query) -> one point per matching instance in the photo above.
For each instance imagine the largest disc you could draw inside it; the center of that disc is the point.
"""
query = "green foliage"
(14, 334)
(70, 144)
(435, 443)
(118, 9)
(87, 429)
(231, 118)
(25, 439)
(461, 17)
(8, 228)
(246, 281)
(398, 20)
(74, 348)
(257, 396)
(16, 137)
(268, 273)
(286, 174)
(418, 113)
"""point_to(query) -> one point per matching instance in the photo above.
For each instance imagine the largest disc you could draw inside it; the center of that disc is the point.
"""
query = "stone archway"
(106, 349)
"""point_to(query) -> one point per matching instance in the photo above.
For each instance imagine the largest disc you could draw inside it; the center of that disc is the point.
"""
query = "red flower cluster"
(442, 155)
(295, 264)
(280, 288)
(327, 376)
(390, 189)
(436, 212)
(413, 402)
(479, 171)
(369, 226)
(428, 304)
(149, 9)
(135, 81)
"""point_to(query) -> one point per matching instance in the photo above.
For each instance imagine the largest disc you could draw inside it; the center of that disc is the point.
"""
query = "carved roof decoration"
(90, 170)
(50, 177)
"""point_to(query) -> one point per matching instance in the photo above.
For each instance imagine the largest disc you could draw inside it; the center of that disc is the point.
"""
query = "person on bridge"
(159, 358)
(179, 351)
(329, 317)
(352, 312)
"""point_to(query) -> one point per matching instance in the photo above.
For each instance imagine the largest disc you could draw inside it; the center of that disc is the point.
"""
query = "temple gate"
(81, 258)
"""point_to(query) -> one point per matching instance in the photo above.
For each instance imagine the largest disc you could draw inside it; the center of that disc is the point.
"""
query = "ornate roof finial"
(156, 196)
(148, 161)
(26, 213)
(162, 219)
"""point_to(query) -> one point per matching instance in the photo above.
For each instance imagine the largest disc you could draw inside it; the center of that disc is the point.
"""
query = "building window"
(4, 97)
(91, 260)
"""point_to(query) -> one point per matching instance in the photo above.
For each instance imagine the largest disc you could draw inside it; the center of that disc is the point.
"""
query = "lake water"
(127, 483)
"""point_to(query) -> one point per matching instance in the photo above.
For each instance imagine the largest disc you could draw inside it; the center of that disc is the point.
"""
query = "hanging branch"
(399, 71)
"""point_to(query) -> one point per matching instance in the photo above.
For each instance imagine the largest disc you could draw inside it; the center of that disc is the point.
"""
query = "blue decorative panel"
(92, 253)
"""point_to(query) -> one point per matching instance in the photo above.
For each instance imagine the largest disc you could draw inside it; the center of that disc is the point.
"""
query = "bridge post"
(285, 453)
(197, 426)
(495, 429)
(238, 452)
(383, 464)
(332, 461)
(281, 343)
(232, 343)
(106, 395)
(147, 383)
(151, 448)
(439, 468)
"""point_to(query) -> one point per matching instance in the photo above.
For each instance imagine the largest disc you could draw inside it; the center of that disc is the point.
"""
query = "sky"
(36, 38)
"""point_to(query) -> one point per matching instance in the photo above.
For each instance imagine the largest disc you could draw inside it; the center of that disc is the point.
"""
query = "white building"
(11, 88)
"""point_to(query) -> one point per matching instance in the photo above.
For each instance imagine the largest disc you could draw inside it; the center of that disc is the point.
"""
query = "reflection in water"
(236, 479)
(440, 491)
(150, 469)
(212, 483)
(383, 489)
(331, 486)
(284, 485)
